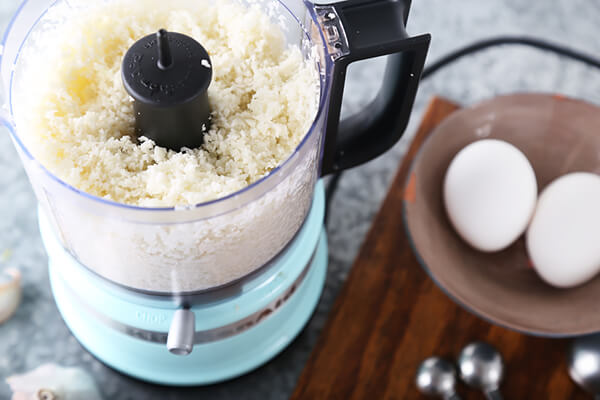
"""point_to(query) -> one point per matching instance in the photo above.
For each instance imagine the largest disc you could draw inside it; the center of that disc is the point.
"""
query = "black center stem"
(164, 50)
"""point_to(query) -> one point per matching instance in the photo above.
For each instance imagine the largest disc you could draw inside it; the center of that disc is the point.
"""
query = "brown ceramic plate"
(558, 135)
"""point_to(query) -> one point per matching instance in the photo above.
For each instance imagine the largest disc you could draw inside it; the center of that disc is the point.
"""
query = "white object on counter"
(563, 239)
(10, 292)
(490, 193)
(53, 382)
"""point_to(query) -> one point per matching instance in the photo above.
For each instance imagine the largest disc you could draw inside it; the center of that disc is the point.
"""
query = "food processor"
(198, 294)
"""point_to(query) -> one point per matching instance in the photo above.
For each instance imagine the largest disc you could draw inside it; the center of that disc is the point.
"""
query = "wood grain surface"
(390, 316)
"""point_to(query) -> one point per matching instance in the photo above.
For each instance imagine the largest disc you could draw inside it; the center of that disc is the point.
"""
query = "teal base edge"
(208, 363)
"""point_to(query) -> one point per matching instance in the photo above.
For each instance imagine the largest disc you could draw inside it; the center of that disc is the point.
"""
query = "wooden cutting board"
(390, 316)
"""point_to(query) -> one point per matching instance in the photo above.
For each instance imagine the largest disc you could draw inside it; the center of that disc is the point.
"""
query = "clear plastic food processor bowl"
(178, 250)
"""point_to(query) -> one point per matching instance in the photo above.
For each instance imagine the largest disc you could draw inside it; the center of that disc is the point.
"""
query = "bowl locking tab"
(180, 340)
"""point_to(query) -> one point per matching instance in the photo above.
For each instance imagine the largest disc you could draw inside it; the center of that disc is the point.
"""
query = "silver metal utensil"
(480, 366)
(437, 377)
(583, 361)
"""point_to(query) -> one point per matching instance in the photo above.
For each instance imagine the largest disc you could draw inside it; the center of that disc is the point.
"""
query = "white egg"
(490, 192)
(563, 239)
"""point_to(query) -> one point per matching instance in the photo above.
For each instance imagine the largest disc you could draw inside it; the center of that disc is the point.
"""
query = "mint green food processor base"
(86, 303)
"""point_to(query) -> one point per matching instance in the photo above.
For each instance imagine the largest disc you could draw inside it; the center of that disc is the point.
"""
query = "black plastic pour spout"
(168, 75)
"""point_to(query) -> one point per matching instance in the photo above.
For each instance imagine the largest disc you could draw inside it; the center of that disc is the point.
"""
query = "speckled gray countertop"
(37, 334)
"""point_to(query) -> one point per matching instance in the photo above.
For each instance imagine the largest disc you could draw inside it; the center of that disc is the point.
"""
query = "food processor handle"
(358, 30)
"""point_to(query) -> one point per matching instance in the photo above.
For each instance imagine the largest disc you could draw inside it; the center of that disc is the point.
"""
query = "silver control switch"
(180, 340)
